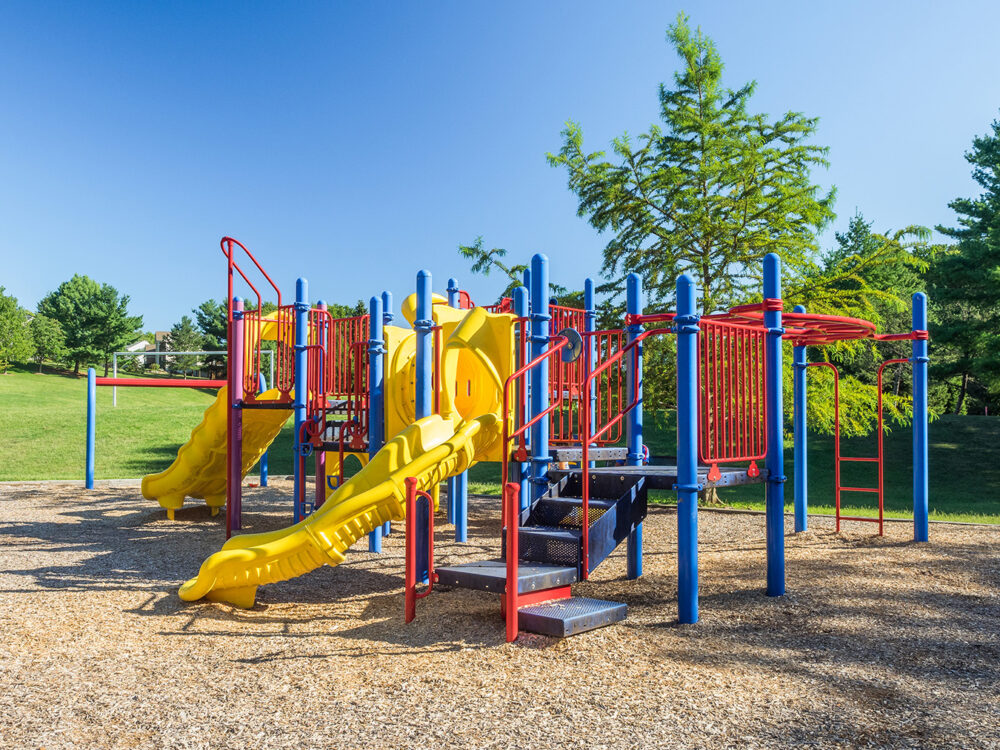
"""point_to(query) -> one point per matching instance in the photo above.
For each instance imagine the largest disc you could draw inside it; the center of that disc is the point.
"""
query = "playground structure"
(529, 384)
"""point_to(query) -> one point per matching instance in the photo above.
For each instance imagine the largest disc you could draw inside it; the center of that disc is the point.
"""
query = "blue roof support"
(376, 398)
(458, 486)
(633, 423)
(423, 325)
(539, 375)
(918, 357)
(590, 325)
(774, 508)
(686, 325)
(301, 388)
(523, 408)
(91, 425)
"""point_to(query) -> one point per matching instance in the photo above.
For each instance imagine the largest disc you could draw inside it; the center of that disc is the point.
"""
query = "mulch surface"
(878, 643)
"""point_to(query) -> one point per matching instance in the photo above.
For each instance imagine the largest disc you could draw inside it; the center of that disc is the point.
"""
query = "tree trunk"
(39, 366)
(710, 497)
(76, 367)
(961, 393)
(107, 364)
(899, 378)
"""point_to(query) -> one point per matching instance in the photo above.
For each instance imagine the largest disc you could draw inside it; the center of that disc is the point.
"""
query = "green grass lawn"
(43, 421)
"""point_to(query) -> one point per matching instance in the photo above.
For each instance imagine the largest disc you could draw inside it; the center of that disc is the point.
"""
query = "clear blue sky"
(355, 143)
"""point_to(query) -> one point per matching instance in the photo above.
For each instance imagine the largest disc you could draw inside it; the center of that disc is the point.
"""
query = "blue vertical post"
(458, 486)
(686, 324)
(91, 424)
(386, 320)
(775, 458)
(319, 480)
(376, 397)
(452, 481)
(234, 436)
(261, 387)
(590, 325)
(800, 398)
(633, 423)
(919, 359)
(539, 375)
(424, 399)
(301, 386)
(522, 409)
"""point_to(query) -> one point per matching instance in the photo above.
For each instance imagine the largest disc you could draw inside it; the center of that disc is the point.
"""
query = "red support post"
(512, 502)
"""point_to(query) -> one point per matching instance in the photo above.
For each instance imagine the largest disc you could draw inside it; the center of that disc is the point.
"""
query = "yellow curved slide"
(431, 450)
(200, 467)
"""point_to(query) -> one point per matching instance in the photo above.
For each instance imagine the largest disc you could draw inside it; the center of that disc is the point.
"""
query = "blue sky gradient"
(355, 143)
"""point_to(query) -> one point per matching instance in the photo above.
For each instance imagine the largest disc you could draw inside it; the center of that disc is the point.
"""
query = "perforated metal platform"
(565, 617)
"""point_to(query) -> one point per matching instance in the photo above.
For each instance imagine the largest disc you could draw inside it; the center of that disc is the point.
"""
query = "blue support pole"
(261, 387)
(234, 436)
(522, 408)
(452, 481)
(376, 397)
(775, 459)
(686, 326)
(424, 406)
(386, 320)
(590, 325)
(458, 486)
(539, 375)
(301, 386)
(919, 359)
(800, 398)
(91, 424)
(633, 423)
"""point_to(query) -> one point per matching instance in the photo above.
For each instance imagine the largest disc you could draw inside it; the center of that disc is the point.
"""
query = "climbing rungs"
(859, 489)
(860, 458)
(860, 518)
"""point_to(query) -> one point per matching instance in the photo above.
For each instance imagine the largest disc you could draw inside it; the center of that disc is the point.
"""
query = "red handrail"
(519, 432)
(587, 436)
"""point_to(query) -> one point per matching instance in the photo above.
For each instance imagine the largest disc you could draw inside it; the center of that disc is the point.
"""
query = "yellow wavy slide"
(431, 450)
(477, 354)
(199, 470)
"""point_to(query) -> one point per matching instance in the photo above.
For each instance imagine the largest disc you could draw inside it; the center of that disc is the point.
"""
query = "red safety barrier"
(160, 383)
(731, 382)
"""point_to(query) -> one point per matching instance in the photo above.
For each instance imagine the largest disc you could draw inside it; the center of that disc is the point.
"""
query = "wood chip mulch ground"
(879, 642)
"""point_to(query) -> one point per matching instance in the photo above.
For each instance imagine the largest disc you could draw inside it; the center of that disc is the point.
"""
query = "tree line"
(83, 322)
(714, 186)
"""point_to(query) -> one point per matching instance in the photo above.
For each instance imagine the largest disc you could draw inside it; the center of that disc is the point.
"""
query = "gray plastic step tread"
(491, 575)
(564, 617)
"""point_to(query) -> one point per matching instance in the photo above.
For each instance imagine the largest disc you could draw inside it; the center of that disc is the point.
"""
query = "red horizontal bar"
(858, 489)
(160, 383)
(859, 518)
(858, 458)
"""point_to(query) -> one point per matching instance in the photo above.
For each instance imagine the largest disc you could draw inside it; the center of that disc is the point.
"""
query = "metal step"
(564, 617)
(575, 453)
(551, 545)
(567, 511)
(491, 575)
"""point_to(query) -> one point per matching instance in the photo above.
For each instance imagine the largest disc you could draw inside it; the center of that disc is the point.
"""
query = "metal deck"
(665, 477)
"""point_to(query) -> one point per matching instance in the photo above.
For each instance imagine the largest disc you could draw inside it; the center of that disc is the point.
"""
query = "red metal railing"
(731, 382)
(613, 418)
(516, 379)
(410, 594)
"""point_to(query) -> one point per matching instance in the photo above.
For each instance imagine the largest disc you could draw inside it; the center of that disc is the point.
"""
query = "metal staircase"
(551, 553)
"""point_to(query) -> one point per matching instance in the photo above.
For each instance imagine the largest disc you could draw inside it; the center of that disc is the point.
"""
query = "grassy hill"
(43, 422)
